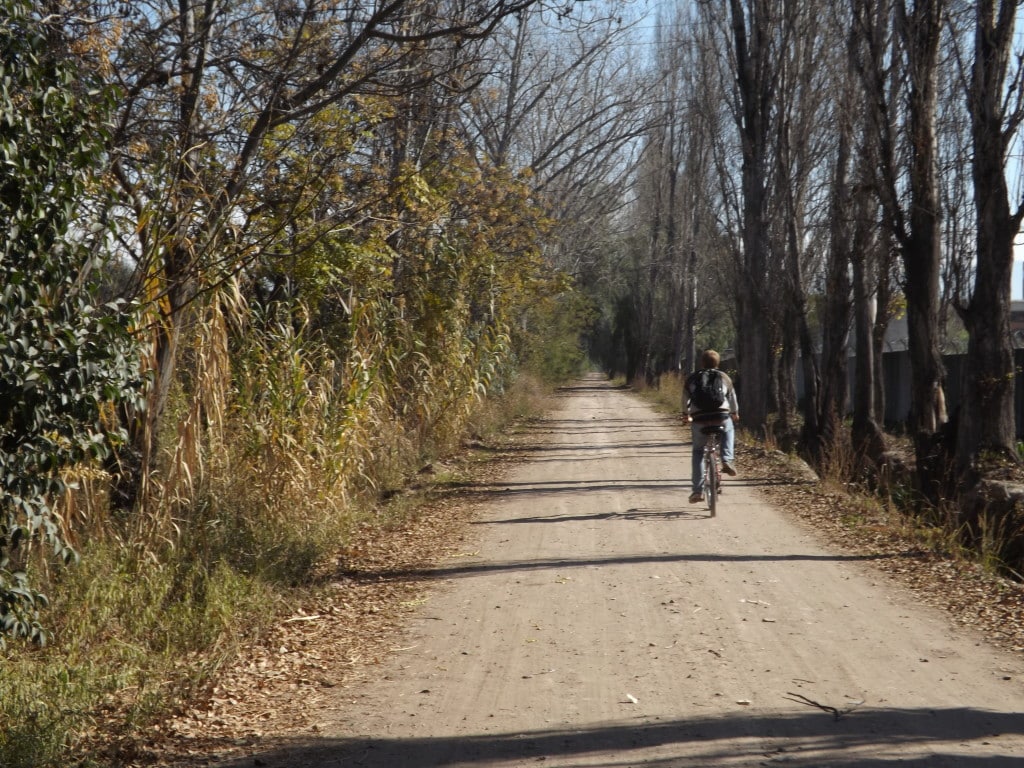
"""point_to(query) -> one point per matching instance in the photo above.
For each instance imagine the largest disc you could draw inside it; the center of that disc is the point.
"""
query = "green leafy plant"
(64, 358)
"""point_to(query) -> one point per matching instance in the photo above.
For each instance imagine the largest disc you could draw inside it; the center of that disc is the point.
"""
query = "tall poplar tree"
(993, 98)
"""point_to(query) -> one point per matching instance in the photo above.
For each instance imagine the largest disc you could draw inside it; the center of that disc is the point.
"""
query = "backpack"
(707, 390)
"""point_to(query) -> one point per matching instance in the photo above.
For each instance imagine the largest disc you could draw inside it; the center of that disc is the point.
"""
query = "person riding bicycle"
(710, 400)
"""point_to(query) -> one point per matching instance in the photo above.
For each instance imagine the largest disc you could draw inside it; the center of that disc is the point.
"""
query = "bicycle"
(712, 465)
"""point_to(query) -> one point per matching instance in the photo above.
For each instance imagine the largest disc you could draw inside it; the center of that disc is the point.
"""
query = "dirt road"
(600, 620)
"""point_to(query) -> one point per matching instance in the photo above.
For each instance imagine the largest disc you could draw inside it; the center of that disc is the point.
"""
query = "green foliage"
(553, 349)
(63, 359)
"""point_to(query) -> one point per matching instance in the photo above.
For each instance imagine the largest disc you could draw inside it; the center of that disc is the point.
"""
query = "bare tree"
(899, 73)
(661, 190)
(754, 57)
(857, 276)
(697, 243)
(801, 147)
(562, 100)
(681, 276)
(994, 101)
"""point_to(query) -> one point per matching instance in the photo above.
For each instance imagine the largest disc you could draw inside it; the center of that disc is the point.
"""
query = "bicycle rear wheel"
(710, 479)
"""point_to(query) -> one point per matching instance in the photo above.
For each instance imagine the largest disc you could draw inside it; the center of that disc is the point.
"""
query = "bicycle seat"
(712, 429)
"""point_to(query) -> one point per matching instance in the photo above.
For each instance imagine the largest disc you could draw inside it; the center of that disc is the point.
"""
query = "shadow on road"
(562, 564)
(542, 488)
(867, 738)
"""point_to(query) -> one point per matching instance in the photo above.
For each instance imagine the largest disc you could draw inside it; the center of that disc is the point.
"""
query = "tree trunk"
(926, 369)
(836, 320)
(868, 441)
(812, 432)
(754, 81)
(796, 311)
(785, 371)
(880, 318)
(689, 361)
(921, 30)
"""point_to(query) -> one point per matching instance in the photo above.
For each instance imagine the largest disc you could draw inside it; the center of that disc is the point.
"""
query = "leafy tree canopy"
(64, 359)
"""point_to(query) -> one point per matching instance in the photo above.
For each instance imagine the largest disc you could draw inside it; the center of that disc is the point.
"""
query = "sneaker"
(729, 469)
(696, 498)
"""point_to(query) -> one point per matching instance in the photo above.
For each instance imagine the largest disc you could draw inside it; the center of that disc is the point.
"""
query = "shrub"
(63, 358)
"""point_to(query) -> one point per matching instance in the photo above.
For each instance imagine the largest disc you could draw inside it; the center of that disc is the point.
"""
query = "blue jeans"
(728, 447)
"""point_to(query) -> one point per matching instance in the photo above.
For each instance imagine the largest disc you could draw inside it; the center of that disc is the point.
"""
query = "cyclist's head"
(710, 359)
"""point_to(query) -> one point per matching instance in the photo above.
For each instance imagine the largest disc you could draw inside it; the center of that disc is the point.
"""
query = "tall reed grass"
(275, 447)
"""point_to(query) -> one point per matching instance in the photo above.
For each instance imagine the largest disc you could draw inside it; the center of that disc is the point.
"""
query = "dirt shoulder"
(969, 594)
(569, 606)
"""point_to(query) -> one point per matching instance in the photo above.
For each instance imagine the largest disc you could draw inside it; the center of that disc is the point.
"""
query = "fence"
(896, 378)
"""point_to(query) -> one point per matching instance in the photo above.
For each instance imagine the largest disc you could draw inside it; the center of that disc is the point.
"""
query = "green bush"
(63, 359)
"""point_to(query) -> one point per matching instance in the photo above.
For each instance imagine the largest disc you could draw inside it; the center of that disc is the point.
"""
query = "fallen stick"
(836, 713)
